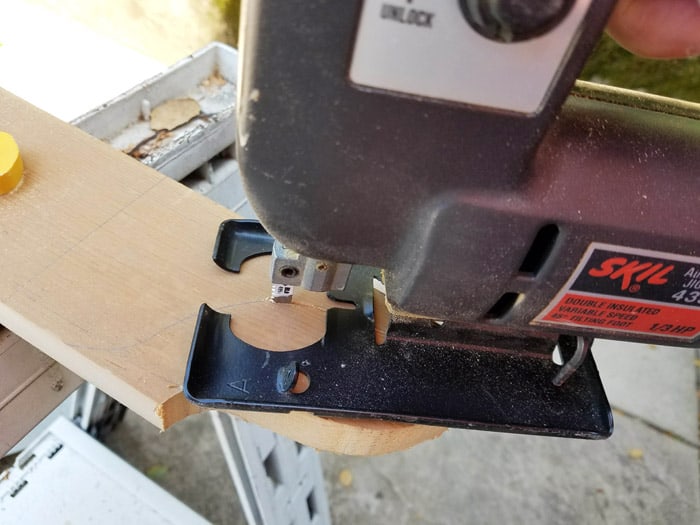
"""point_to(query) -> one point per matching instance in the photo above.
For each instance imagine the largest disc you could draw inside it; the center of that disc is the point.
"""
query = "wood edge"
(354, 437)
(63, 353)
(174, 409)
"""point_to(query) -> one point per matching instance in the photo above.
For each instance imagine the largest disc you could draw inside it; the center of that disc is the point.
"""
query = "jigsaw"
(435, 164)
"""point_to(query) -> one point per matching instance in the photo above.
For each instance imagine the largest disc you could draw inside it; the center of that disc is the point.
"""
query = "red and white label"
(620, 289)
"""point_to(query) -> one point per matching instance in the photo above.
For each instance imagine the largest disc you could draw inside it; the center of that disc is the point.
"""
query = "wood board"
(105, 262)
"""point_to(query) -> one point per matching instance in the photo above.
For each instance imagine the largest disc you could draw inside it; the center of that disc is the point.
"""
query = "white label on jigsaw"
(427, 48)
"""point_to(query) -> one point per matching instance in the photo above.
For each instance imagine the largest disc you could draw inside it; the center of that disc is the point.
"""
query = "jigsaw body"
(437, 142)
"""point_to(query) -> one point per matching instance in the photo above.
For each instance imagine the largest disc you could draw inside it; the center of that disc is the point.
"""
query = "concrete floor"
(646, 473)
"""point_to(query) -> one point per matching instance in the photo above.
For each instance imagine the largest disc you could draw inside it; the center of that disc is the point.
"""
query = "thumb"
(657, 29)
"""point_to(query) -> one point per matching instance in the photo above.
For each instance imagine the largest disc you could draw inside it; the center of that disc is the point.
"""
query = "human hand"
(656, 28)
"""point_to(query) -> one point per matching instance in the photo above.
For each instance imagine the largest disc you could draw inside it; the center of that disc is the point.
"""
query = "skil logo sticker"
(620, 289)
(626, 270)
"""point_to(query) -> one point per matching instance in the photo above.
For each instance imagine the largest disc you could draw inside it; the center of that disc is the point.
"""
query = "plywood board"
(105, 262)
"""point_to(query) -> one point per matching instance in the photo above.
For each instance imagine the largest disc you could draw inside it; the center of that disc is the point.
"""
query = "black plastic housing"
(449, 199)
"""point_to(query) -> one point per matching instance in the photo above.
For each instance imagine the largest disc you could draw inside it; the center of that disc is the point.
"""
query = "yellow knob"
(11, 166)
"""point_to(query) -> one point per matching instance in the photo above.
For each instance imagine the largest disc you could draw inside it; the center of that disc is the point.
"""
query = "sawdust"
(146, 146)
(174, 113)
(215, 80)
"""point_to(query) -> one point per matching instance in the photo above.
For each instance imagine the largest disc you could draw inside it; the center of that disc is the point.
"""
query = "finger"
(657, 29)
